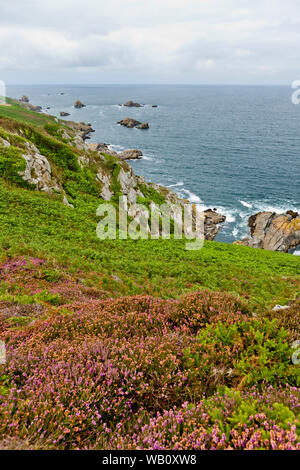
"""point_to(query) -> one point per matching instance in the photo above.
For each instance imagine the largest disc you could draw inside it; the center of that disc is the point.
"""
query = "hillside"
(131, 343)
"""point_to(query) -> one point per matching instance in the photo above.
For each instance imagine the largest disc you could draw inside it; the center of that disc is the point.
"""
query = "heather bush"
(93, 371)
(289, 319)
(231, 420)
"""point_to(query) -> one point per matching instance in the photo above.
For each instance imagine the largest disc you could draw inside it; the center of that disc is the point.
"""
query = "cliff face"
(271, 231)
(55, 158)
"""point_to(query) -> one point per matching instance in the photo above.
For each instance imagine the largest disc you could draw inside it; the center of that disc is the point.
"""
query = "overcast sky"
(150, 41)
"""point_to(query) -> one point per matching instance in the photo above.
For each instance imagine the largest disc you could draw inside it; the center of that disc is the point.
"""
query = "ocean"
(234, 148)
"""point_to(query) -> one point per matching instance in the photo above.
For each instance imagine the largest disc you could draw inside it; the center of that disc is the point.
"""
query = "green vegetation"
(38, 224)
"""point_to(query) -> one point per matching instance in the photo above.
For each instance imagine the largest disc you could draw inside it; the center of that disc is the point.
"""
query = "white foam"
(146, 157)
(192, 197)
(116, 148)
(297, 253)
(246, 204)
(280, 209)
(230, 214)
(180, 183)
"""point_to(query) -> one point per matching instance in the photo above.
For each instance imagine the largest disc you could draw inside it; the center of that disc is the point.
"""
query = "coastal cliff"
(56, 158)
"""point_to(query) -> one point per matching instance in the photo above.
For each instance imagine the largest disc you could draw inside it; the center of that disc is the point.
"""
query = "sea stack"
(78, 104)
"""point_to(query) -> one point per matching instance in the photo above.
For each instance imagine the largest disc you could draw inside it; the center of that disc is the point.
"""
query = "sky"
(149, 41)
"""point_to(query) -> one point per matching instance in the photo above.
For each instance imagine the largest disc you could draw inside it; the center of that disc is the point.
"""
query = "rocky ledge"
(130, 154)
(271, 231)
(212, 219)
(24, 101)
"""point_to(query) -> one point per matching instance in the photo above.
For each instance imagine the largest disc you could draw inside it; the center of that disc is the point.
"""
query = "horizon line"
(152, 84)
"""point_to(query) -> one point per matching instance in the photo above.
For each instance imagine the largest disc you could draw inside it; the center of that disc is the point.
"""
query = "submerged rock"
(271, 231)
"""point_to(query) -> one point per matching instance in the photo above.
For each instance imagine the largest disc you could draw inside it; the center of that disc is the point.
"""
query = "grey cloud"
(187, 41)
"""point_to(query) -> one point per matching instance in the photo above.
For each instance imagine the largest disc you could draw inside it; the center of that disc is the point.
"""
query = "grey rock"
(78, 104)
(143, 125)
(129, 122)
(275, 232)
(132, 104)
(130, 154)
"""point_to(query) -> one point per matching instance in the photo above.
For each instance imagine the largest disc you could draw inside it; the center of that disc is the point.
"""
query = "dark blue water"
(235, 148)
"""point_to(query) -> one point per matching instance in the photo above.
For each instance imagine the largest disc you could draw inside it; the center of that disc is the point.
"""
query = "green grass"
(20, 113)
(37, 224)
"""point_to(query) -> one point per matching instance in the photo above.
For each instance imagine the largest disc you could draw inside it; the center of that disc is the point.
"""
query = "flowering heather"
(228, 421)
(139, 372)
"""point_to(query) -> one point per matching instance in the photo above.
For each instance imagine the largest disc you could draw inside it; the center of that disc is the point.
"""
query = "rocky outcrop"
(63, 114)
(129, 122)
(4, 142)
(105, 180)
(132, 104)
(143, 125)
(78, 104)
(24, 99)
(212, 220)
(38, 171)
(32, 107)
(102, 148)
(66, 202)
(271, 231)
(82, 132)
(130, 154)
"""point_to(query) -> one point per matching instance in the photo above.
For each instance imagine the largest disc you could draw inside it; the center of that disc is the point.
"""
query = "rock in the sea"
(271, 231)
(24, 99)
(143, 125)
(130, 154)
(78, 104)
(129, 122)
(132, 104)
(211, 221)
(63, 113)
(154, 106)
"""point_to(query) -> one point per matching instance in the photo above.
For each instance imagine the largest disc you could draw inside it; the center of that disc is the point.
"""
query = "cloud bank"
(162, 41)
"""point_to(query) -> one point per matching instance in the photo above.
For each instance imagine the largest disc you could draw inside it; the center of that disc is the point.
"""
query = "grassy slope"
(36, 224)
